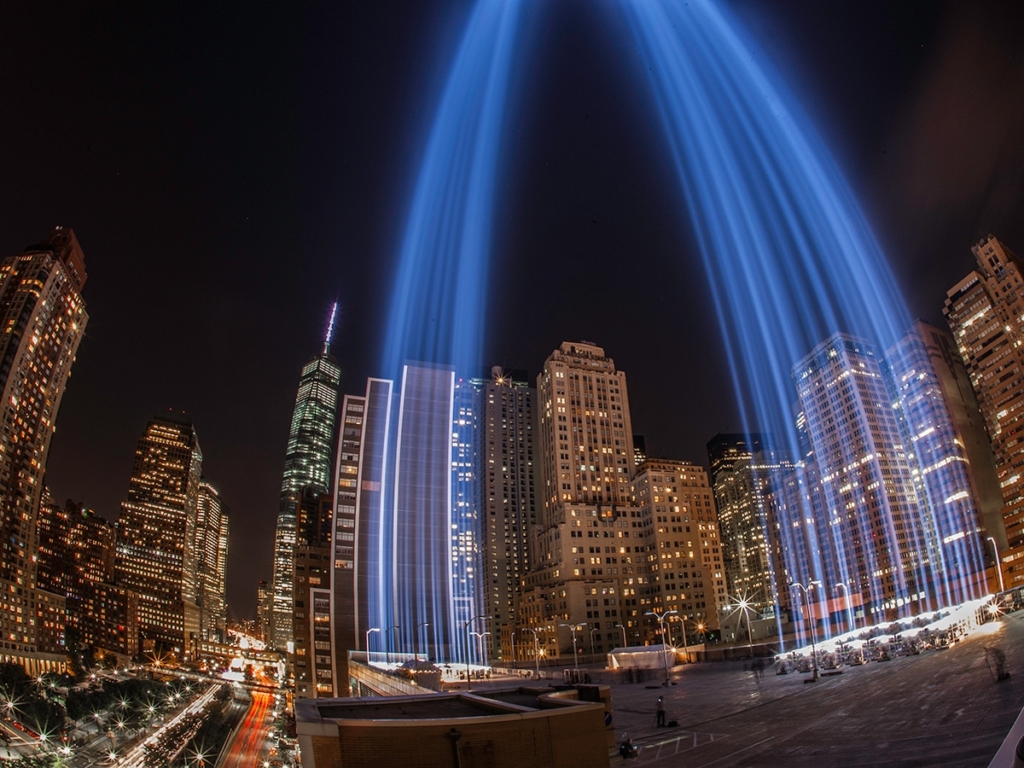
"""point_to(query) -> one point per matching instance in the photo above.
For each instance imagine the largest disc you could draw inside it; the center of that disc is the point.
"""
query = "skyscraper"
(740, 494)
(212, 527)
(951, 459)
(156, 553)
(684, 555)
(307, 466)
(42, 320)
(868, 527)
(590, 547)
(985, 311)
(508, 473)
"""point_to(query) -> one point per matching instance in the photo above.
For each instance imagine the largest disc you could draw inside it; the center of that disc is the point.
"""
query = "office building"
(953, 468)
(741, 487)
(684, 551)
(307, 466)
(156, 557)
(313, 664)
(588, 521)
(985, 312)
(43, 318)
(507, 473)
(211, 546)
(76, 562)
(867, 532)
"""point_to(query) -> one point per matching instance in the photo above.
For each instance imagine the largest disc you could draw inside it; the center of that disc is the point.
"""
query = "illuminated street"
(938, 708)
(248, 747)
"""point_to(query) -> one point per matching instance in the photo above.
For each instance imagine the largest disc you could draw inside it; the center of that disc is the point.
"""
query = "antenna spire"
(330, 328)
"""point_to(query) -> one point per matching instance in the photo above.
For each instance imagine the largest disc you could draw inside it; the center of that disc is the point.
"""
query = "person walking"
(660, 723)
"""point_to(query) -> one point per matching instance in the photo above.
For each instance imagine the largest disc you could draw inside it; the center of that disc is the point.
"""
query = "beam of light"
(791, 261)
(437, 307)
(436, 317)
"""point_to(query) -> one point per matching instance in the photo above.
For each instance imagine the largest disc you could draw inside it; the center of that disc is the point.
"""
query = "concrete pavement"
(938, 708)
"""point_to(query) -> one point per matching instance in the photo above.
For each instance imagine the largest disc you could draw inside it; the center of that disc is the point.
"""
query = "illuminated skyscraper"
(985, 311)
(508, 471)
(156, 553)
(307, 466)
(684, 552)
(951, 459)
(868, 530)
(211, 542)
(590, 545)
(76, 561)
(42, 320)
(742, 517)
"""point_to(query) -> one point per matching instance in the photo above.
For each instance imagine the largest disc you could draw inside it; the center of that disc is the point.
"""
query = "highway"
(248, 747)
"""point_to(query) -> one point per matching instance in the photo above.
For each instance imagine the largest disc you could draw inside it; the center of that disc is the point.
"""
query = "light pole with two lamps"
(574, 628)
(807, 602)
(469, 674)
(661, 620)
(536, 647)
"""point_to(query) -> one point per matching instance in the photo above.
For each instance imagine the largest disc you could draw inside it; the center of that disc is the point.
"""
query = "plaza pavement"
(940, 708)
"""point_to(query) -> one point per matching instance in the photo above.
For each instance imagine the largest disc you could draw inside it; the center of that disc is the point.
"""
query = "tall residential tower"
(985, 311)
(42, 320)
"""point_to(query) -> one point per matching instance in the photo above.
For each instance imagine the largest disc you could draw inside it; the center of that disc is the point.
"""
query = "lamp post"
(625, 643)
(480, 639)
(466, 627)
(742, 604)
(372, 629)
(661, 620)
(807, 602)
(573, 628)
(514, 650)
(417, 633)
(536, 648)
(999, 567)
(387, 650)
(686, 648)
(593, 651)
(849, 605)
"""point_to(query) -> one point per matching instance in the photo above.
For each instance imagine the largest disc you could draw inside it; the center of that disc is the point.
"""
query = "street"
(248, 747)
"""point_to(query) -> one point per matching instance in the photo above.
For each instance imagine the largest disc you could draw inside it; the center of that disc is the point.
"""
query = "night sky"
(232, 171)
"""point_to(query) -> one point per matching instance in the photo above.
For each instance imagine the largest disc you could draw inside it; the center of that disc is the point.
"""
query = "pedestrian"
(995, 660)
(661, 713)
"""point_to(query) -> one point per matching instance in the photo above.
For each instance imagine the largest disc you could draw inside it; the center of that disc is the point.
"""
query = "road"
(938, 708)
(248, 747)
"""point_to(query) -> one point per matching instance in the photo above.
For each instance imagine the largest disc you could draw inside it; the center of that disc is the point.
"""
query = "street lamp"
(849, 604)
(372, 629)
(742, 604)
(465, 626)
(686, 648)
(536, 648)
(807, 602)
(999, 567)
(416, 633)
(661, 620)
(625, 643)
(573, 628)
(514, 650)
(480, 637)
(593, 651)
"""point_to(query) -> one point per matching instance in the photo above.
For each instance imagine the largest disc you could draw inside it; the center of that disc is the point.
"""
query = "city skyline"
(210, 270)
